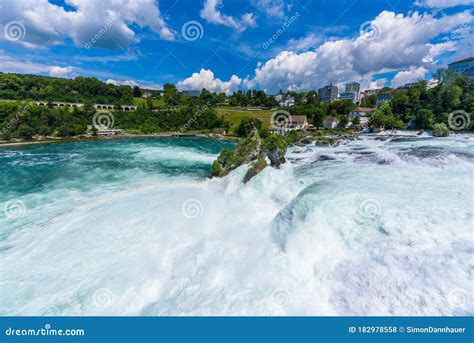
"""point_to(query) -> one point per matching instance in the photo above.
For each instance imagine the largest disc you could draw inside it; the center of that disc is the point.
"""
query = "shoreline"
(82, 139)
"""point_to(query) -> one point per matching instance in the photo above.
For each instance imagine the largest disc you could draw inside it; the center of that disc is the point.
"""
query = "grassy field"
(234, 116)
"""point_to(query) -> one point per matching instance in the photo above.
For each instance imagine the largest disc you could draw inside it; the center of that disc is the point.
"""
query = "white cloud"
(408, 76)
(112, 82)
(272, 8)
(13, 64)
(105, 24)
(211, 13)
(310, 41)
(397, 42)
(131, 83)
(206, 79)
(63, 72)
(373, 84)
(442, 3)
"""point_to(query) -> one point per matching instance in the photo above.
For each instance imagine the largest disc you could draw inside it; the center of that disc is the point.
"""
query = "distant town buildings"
(285, 100)
(296, 122)
(383, 97)
(407, 85)
(464, 67)
(331, 123)
(353, 96)
(328, 93)
(362, 113)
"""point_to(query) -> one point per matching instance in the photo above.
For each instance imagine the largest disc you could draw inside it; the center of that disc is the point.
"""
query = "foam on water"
(371, 227)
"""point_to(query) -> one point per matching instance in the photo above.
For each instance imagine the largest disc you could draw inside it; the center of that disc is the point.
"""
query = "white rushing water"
(372, 227)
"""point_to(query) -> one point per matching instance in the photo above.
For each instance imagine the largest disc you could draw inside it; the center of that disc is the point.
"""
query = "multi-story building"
(354, 96)
(464, 67)
(383, 97)
(369, 92)
(353, 87)
(285, 100)
(328, 93)
(362, 113)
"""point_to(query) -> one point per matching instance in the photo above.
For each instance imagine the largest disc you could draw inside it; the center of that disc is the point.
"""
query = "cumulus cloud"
(211, 13)
(104, 24)
(206, 79)
(442, 3)
(408, 76)
(396, 42)
(57, 71)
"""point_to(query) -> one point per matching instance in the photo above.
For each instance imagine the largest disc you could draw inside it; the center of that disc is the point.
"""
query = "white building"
(285, 100)
(353, 96)
(362, 113)
(331, 123)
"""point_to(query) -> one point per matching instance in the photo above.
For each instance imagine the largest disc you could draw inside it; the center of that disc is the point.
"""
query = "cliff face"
(251, 149)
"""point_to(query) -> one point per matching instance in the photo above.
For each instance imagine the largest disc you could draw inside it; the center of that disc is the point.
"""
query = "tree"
(246, 126)
(137, 92)
(25, 131)
(424, 119)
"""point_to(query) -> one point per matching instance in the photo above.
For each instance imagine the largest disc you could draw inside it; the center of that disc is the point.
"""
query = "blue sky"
(315, 42)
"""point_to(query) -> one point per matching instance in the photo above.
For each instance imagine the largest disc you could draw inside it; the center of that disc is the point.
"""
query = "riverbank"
(51, 140)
